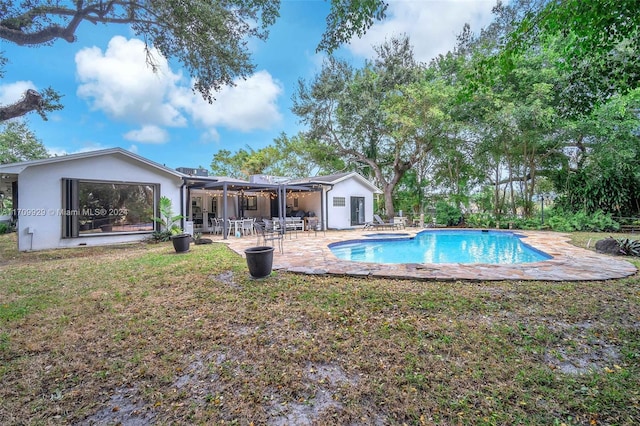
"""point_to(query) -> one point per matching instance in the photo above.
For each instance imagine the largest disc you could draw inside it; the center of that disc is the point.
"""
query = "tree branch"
(31, 101)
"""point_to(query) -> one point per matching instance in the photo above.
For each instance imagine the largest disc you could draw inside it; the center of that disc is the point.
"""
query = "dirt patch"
(226, 278)
(582, 351)
(325, 379)
(125, 407)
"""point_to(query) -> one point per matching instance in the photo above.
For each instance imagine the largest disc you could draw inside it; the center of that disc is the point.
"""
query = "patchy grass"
(119, 333)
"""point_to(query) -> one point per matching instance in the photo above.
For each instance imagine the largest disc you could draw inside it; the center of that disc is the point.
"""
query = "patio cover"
(225, 186)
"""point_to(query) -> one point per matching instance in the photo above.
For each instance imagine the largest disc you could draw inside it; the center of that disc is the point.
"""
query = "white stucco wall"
(340, 217)
(40, 197)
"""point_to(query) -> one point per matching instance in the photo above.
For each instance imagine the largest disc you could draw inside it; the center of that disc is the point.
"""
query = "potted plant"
(259, 261)
(169, 222)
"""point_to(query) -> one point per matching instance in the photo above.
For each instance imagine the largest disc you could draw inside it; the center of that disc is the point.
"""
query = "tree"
(602, 38)
(343, 109)
(19, 143)
(299, 157)
(208, 37)
(294, 157)
(241, 165)
(604, 173)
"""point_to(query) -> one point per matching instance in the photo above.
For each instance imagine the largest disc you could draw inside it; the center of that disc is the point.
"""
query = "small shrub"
(563, 221)
(629, 247)
(447, 214)
(480, 220)
(159, 236)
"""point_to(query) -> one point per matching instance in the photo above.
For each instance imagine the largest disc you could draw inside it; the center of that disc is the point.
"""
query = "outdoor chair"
(216, 225)
(313, 223)
(247, 226)
(379, 223)
(269, 235)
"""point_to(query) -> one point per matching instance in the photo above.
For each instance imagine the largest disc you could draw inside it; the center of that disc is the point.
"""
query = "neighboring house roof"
(337, 178)
(17, 168)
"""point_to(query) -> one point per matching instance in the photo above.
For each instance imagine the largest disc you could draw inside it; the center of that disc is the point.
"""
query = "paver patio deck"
(309, 254)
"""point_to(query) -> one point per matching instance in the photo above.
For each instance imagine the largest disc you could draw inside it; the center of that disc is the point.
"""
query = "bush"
(160, 236)
(480, 220)
(563, 221)
(629, 247)
(447, 214)
(4, 228)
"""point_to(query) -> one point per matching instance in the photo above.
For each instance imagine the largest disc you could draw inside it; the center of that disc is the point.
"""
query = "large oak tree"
(361, 114)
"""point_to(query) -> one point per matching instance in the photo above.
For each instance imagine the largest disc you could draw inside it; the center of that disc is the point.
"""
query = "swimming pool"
(442, 246)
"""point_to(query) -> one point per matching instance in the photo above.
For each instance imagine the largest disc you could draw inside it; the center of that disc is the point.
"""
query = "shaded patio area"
(308, 253)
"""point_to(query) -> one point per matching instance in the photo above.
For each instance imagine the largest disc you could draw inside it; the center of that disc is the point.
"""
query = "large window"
(94, 207)
(249, 202)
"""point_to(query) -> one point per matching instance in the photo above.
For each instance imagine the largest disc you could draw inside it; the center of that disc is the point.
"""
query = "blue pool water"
(441, 246)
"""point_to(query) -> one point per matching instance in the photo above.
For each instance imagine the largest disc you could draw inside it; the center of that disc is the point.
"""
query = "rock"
(204, 241)
(608, 246)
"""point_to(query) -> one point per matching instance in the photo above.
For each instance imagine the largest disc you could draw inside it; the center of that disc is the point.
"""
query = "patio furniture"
(247, 226)
(313, 223)
(216, 225)
(379, 223)
(234, 226)
(400, 221)
(272, 235)
(290, 224)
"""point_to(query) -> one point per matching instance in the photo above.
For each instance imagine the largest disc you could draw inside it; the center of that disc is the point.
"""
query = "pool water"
(442, 246)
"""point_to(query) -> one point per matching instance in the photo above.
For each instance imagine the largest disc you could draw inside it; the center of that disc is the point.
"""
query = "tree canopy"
(18, 143)
(544, 100)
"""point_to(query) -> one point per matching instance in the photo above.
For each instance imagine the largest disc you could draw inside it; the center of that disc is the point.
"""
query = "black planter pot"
(259, 261)
(181, 242)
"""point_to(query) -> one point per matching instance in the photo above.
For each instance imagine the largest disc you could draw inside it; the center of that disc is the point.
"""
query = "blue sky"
(112, 99)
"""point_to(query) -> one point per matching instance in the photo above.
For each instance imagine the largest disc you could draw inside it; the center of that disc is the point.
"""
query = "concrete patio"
(308, 253)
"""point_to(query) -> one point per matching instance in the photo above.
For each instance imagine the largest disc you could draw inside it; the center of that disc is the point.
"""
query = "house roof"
(17, 168)
(337, 178)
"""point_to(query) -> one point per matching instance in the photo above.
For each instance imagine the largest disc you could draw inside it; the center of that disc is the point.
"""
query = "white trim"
(17, 168)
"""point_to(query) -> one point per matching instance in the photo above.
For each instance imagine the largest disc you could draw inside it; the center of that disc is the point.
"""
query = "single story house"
(112, 195)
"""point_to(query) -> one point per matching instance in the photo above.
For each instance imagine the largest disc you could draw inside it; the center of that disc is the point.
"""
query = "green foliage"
(608, 174)
(5, 228)
(446, 214)
(349, 18)
(295, 157)
(629, 247)
(563, 221)
(160, 236)
(19, 143)
(600, 43)
(361, 115)
(168, 220)
(480, 220)
(409, 194)
(531, 223)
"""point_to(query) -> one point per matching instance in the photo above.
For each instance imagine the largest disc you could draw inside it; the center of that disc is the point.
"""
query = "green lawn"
(109, 334)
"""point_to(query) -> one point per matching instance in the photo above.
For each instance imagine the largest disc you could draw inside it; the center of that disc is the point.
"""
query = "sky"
(112, 98)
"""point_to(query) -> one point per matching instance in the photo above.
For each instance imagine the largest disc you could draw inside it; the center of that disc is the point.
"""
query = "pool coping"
(308, 253)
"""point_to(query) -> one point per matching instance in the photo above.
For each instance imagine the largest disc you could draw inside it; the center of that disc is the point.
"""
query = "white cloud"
(120, 83)
(12, 92)
(133, 148)
(251, 104)
(432, 26)
(211, 135)
(148, 134)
